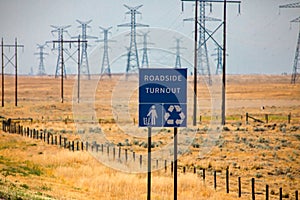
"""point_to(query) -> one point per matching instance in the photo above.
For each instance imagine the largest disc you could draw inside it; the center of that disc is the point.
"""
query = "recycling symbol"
(174, 115)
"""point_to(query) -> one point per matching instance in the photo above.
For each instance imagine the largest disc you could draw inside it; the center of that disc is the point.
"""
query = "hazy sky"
(260, 39)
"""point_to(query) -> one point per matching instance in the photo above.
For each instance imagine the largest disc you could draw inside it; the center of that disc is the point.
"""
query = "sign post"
(162, 103)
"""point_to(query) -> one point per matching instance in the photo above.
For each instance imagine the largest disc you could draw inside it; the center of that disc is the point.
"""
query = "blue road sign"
(162, 97)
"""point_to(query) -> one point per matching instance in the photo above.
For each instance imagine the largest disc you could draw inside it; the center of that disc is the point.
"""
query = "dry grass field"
(268, 152)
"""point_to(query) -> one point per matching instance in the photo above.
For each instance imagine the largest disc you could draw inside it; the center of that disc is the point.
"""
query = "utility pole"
(84, 57)
(296, 66)
(60, 30)
(132, 55)
(61, 61)
(41, 55)
(15, 65)
(105, 67)
(210, 36)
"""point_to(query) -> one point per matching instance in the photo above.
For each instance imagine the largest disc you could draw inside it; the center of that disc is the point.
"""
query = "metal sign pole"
(175, 162)
(149, 165)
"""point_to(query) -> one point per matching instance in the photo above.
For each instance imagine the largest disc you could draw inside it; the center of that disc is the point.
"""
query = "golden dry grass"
(271, 156)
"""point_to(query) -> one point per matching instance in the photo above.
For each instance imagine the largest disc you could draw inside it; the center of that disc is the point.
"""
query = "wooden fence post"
(156, 164)
(141, 161)
(166, 168)
(77, 144)
(133, 155)
(73, 145)
(108, 150)
(227, 180)
(267, 118)
(253, 188)
(48, 138)
(119, 153)
(114, 153)
(60, 140)
(126, 156)
(56, 140)
(280, 193)
(239, 187)
(289, 118)
(247, 115)
(215, 180)
(65, 142)
(102, 148)
(267, 192)
(203, 173)
(87, 146)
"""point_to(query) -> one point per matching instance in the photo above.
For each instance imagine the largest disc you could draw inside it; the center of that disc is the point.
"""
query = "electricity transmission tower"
(296, 66)
(84, 65)
(41, 55)
(132, 55)
(60, 30)
(219, 59)
(202, 53)
(145, 43)
(105, 68)
(178, 54)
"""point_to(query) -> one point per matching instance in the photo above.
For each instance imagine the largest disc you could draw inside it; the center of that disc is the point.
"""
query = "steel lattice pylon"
(219, 59)
(132, 55)
(41, 54)
(105, 68)
(145, 43)
(84, 65)
(202, 52)
(60, 31)
(296, 66)
(178, 54)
